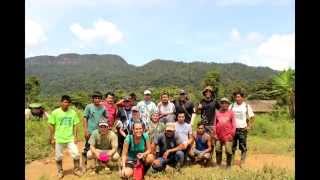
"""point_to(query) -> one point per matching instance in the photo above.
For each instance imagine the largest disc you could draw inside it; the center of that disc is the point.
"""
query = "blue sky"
(254, 32)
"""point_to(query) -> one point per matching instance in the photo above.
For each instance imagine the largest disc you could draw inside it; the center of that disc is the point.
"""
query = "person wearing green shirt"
(92, 114)
(136, 148)
(103, 146)
(62, 124)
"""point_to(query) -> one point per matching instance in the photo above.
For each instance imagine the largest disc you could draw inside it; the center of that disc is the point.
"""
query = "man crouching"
(103, 147)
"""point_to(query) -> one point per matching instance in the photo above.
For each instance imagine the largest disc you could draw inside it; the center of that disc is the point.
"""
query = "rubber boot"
(229, 159)
(243, 158)
(219, 158)
(233, 157)
(77, 169)
(60, 169)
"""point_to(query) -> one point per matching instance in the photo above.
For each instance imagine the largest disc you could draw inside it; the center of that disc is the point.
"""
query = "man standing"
(224, 131)
(62, 124)
(92, 115)
(183, 105)
(111, 108)
(244, 119)
(103, 146)
(124, 114)
(166, 109)
(146, 107)
(207, 108)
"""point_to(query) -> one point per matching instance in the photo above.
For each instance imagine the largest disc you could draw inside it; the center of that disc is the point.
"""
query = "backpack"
(131, 146)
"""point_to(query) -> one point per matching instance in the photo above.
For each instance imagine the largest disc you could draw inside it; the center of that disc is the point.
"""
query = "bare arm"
(124, 154)
(51, 133)
(209, 143)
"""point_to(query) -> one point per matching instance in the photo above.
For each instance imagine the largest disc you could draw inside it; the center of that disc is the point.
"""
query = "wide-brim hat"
(208, 88)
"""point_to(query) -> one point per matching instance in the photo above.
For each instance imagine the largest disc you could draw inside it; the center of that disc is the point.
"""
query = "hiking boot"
(229, 159)
(60, 170)
(77, 170)
(219, 158)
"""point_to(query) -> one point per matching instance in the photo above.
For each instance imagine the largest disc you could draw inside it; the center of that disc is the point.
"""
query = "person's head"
(224, 103)
(200, 128)
(103, 126)
(238, 96)
(164, 97)
(109, 97)
(135, 113)
(65, 102)
(208, 92)
(137, 129)
(170, 129)
(126, 103)
(181, 117)
(96, 97)
(155, 117)
(147, 95)
(182, 95)
(133, 97)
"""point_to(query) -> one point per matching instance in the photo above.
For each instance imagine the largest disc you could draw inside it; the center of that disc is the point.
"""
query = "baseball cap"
(182, 91)
(103, 122)
(35, 105)
(134, 108)
(147, 92)
(170, 126)
(225, 100)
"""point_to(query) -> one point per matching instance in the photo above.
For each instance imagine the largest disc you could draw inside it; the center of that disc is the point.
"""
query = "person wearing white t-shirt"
(244, 117)
(184, 130)
(166, 109)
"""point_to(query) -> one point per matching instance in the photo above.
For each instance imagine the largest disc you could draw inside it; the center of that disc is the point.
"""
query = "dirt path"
(46, 169)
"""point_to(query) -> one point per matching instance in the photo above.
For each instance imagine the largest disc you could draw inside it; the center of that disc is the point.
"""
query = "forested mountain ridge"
(73, 72)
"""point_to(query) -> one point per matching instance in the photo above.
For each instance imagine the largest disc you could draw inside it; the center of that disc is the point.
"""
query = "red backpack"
(138, 171)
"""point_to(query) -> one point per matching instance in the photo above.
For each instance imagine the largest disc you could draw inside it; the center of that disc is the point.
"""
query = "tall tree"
(284, 85)
(32, 89)
(212, 78)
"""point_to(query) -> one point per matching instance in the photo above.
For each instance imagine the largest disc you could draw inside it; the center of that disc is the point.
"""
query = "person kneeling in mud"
(136, 151)
(201, 145)
(103, 147)
(170, 149)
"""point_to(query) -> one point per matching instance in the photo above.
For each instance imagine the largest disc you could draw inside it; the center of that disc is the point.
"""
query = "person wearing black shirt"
(207, 108)
(183, 105)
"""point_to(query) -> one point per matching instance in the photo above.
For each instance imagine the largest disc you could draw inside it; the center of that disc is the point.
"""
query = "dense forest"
(68, 73)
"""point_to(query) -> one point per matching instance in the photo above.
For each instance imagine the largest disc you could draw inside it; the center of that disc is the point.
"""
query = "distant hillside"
(71, 72)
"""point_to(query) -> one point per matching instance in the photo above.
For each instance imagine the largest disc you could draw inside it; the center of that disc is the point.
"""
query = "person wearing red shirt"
(110, 107)
(224, 131)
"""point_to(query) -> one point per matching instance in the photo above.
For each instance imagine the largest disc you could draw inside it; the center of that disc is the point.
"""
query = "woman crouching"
(136, 150)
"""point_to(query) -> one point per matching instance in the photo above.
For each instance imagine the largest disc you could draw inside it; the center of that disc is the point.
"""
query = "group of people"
(145, 136)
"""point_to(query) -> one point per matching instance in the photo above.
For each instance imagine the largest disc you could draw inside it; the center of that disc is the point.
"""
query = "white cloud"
(34, 33)
(251, 37)
(277, 52)
(254, 37)
(235, 35)
(101, 30)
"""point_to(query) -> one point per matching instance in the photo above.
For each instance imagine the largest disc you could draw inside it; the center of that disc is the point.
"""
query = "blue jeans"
(172, 159)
